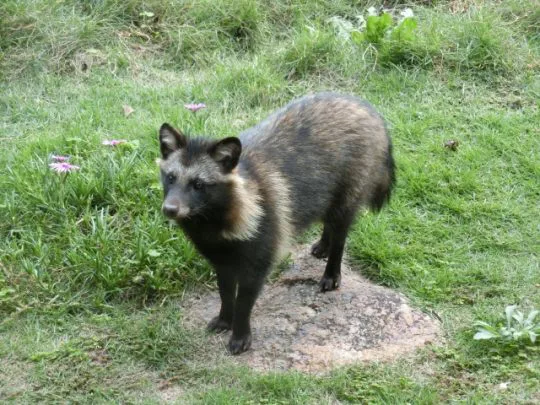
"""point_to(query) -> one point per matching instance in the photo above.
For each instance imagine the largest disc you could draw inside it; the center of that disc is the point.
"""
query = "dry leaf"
(503, 386)
(451, 144)
(127, 110)
(124, 34)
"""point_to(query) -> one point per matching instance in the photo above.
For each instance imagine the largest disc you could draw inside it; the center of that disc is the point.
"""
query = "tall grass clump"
(203, 28)
(91, 231)
(45, 34)
(523, 14)
(480, 41)
(252, 84)
(288, 14)
(312, 51)
(38, 34)
(477, 42)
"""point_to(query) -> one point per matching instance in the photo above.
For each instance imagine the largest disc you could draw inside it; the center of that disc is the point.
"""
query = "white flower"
(372, 11)
(407, 13)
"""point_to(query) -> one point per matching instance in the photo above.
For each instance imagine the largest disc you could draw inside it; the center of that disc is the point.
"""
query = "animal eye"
(198, 185)
(171, 178)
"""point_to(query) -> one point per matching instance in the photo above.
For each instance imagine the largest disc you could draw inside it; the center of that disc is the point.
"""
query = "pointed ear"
(226, 152)
(170, 140)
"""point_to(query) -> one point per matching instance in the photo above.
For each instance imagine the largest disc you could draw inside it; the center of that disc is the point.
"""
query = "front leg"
(227, 290)
(248, 290)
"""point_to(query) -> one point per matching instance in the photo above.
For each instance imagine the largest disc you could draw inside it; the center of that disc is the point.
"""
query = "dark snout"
(175, 209)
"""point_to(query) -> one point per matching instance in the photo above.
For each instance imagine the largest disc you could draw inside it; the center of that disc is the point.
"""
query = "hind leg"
(340, 225)
(320, 248)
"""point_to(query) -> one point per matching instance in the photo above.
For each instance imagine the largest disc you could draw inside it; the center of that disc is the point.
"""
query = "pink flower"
(113, 142)
(59, 158)
(63, 167)
(195, 107)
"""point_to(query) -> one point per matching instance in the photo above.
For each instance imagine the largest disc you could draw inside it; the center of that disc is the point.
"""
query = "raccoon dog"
(240, 199)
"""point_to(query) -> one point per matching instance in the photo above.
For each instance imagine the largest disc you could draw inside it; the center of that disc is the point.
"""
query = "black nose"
(170, 210)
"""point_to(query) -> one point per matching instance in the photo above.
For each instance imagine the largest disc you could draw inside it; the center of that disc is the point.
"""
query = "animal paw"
(329, 283)
(218, 325)
(320, 250)
(239, 345)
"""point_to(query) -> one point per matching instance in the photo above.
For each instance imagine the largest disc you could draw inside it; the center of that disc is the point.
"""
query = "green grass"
(91, 275)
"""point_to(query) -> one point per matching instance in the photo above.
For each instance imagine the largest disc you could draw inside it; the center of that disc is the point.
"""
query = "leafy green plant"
(404, 31)
(376, 28)
(517, 328)
(393, 39)
(381, 28)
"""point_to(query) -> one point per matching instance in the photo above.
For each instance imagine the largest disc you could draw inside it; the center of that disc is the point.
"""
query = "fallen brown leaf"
(451, 144)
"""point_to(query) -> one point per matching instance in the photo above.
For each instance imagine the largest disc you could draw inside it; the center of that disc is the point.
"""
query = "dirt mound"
(296, 327)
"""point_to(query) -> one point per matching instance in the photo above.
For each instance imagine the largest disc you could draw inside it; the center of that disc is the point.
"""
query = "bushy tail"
(383, 191)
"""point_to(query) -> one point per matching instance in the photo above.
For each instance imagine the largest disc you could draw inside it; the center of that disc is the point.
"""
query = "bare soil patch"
(296, 327)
